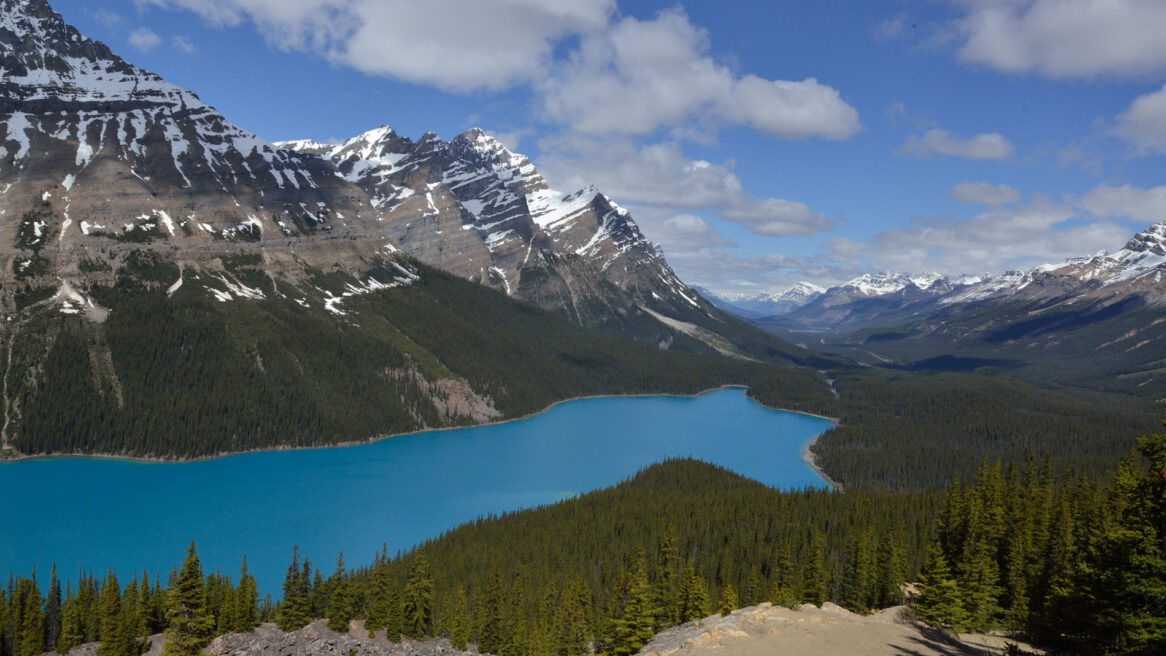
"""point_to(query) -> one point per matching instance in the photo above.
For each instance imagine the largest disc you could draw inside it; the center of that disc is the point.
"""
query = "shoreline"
(806, 449)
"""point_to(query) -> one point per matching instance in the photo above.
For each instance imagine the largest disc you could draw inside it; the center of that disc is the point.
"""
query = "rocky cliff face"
(474, 208)
(99, 159)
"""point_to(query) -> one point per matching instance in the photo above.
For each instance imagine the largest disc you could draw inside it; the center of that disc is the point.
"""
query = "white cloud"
(1142, 205)
(106, 17)
(144, 39)
(639, 76)
(1144, 123)
(456, 45)
(1065, 38)
(677, 232)
(661, 175)
(992, 241)
(183, 44)
(991, 145)
(983, 193)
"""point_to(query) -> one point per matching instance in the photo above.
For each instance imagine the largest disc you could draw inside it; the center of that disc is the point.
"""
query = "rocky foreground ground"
(761, 630)
(811, 631)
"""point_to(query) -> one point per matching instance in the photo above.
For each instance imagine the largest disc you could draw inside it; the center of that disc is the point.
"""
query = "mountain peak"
(1152, 239)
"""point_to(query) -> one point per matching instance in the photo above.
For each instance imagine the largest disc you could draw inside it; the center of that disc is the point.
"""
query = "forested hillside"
(1073, 562)
(172, 373)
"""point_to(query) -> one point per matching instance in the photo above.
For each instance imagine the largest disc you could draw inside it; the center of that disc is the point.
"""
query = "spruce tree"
(53, 611)
(191, 625)
(635, 625)
(940, 600)
(696, 596)
(491, 629)
(31, 619)
(459, 634)
(665, 599)
(417, 607)
(246, 603)
(340, 600)
(293, 612)
(729, 602)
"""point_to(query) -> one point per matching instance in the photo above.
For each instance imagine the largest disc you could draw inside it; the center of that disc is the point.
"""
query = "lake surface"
(92, 513)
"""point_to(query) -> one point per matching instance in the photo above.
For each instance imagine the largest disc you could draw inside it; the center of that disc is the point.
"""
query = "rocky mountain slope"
(472, 207)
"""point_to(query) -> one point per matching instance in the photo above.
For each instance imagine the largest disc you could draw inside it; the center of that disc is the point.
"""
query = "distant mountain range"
(1096, 320)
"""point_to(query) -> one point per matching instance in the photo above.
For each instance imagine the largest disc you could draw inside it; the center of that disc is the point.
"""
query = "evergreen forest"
(1076, 562)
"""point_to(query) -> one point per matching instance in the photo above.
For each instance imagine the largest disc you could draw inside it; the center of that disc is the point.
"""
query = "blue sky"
(758, 143)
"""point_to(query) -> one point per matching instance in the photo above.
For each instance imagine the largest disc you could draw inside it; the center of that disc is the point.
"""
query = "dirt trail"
(811, 631)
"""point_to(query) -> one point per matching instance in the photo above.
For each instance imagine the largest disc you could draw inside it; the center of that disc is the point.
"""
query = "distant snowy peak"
(881, 284)
(801, 293)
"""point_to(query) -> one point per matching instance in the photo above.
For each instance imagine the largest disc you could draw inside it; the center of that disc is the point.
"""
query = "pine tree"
(246, 608)
(293, 612)
(115, 640)
(695, 595)
(817, 582)
(665, 599)
(492, 619)
(571, 619)
(459, 634)
(394, 622)
(940, 599)
(72, 633)
(340, 599)
(380, 596)
(31, 620)
(635, 625)
(53, 611)
(729, 602)
(191, 625)
(418, 600)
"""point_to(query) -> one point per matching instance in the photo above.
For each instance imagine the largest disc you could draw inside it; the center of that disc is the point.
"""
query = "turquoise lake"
(93, 513)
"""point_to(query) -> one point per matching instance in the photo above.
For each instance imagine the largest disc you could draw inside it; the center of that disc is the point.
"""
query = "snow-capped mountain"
(77, 122)
(885, 298)
(767, 303)
(471, 206)
(97, 155)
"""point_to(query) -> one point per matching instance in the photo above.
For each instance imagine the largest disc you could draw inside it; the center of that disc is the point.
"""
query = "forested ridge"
(1073, 562)
(182, 375)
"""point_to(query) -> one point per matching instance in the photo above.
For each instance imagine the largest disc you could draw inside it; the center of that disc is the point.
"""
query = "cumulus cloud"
(456, 45)
(641, 75)
(677, 232)
(1142, 205)
(145, 39)
(661, 175)
(1065, 38)
(1144, 124)
(983, 193)
(1001, 238)
(183, 44)
(991, 145)
(629, 76)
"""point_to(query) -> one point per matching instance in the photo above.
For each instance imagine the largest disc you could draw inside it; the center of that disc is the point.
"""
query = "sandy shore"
(807, 454)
